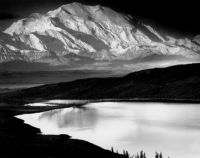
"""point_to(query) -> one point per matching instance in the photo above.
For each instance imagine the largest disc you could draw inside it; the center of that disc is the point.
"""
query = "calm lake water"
(173, 129)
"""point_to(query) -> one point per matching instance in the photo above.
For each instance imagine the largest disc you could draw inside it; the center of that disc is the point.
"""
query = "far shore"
(19, 108)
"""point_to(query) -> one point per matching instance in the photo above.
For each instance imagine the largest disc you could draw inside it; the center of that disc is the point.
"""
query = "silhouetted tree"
(112, 150)
(145, 155)
(161, 155)
(137, 156)
(157, 155)
(126, 154)
(141, 154)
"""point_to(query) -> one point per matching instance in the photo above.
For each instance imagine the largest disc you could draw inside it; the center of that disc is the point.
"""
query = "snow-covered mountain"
(197, 39)
(81, 36)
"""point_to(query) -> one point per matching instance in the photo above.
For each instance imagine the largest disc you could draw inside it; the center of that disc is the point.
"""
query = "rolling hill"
(176, 83)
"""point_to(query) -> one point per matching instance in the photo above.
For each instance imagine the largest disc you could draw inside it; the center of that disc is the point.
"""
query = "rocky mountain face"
(81, 36)
(197, 40)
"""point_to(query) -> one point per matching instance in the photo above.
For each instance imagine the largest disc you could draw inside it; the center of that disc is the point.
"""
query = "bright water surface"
(173, 129)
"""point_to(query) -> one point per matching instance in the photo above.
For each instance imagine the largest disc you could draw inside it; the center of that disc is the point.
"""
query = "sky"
(178, 17)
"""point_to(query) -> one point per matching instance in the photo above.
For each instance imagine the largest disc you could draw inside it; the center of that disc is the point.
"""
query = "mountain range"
(78, 36)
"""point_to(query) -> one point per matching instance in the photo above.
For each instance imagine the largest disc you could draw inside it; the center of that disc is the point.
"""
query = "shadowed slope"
(177, 82)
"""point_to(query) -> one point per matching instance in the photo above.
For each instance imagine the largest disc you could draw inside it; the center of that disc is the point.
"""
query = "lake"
(173, 129)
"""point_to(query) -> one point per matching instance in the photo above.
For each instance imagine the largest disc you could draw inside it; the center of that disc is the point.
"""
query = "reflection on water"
(77, 118)
(171, 128)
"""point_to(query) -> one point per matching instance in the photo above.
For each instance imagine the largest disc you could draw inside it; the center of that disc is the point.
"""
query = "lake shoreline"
(154, 100)
(17, 103)
(161, 120)
(18, 139)
(10, 124)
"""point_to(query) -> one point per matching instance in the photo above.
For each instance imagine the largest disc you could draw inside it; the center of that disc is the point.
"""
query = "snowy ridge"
(93, 32)
(154, 32)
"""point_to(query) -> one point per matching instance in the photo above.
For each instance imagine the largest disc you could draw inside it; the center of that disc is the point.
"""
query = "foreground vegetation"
(142, 154)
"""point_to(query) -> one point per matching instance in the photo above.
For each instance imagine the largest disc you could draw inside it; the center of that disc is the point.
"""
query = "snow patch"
(152, 30)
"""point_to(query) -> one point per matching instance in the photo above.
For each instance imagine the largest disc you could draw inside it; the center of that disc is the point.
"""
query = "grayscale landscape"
(98, 79)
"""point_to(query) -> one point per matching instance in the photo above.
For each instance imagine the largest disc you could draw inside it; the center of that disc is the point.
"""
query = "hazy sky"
(178, 16)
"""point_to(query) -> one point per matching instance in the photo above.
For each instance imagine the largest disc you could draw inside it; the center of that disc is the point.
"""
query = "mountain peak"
(97, 12)
(37, 22)
(76, 34)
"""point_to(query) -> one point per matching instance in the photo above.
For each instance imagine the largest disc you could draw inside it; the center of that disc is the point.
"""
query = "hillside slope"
(173, 83)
